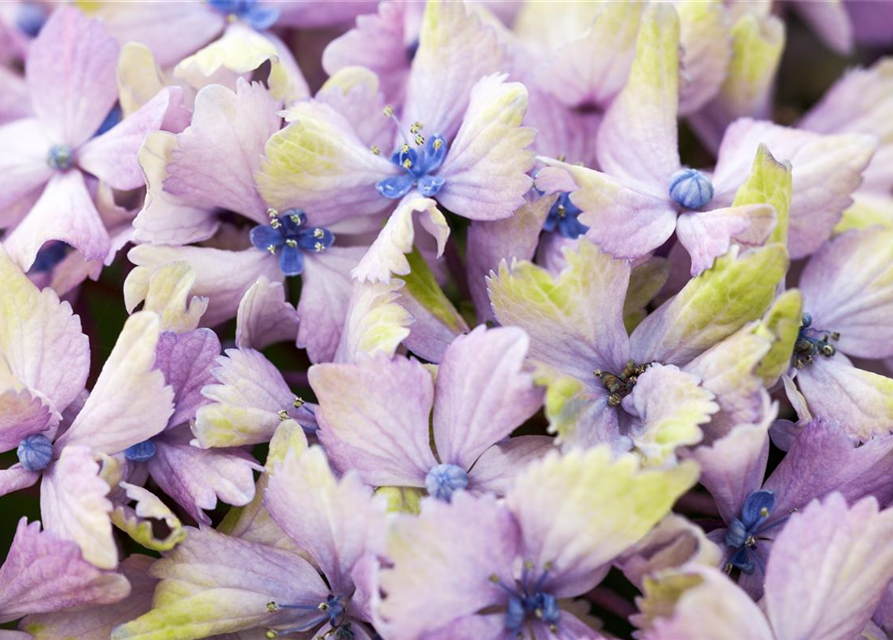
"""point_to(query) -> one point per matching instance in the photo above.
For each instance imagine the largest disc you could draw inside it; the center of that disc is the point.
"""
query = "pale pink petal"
(336, 521)
(43, 573)
(456, 547)
(73, 505)
(706, 235)
(380, 42)
(561, 132)
(196, 477)
(264, 316)
(826, 170)
(624, 222)
(15, 101)
(130, 401)
(455, 51)
(219, 153)
(354, 93)
(165, 218)
(482, 393)
(325, 295)
(373, 418)
(221, 276)
(24, 146)
(848, 288)
(112, 157)
(186, 360)
(830, 21)
(828, 569)
(64, 212)
(17, 477)
(496, 469)
(97, 622)
(860, 400)
(592, 67)
(171, 30)
(489, 242)
(637, 140)
(21, 415)
(42, 343)
(487, 163)
(71, 71)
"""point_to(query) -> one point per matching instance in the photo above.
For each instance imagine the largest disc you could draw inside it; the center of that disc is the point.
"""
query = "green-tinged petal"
(575, 321)
(319, 164)
(402, 499)
(736, 290)
(781, 324)
(562, 402)
(422, 286)
(706, 43)
(728, 370)
(252, 522)
(137, 522)
(139, 78)
(757, 45)
(215, 584)
(580, 510)
(239, 52)
(670, 404)
(769, 182)
(41, 341)
(645, 282)
(387, 255)
(866, 211)
(674, 542)
(375, 321)
(699, 602)
(165, 291)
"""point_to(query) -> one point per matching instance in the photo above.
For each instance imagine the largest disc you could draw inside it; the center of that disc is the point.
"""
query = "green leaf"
(769, 183)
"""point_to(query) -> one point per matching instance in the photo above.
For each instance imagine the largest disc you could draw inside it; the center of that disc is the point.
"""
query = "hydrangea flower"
(374, 416)
(49, 160)
(608, 386)
(335, 522)
(505, 569)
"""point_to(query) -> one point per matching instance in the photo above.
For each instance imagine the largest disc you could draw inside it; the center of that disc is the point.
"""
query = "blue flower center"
(30, 18)
(330, 612)
(743, 533)
(251, 12)
(691, 189)
(563, 218)
(418, 164)
(288, 236)
(444, 479)
(60, 157)
(812, 342)
(35, 452)
(530, 602)
(141, 451)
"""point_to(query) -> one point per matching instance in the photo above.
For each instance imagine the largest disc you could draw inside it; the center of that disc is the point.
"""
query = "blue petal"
(141, 451)
(551, 611)
(516, 613)
(111, 120)
(292, 222)
(30, 18)
(571, 228)
(444, 479)
(291, 261)
(742, 560)
(756, 502)
(227, 6)
(736, 534)
(265, 236)
(311, 239)
(395, 187)
(430, 185)
(261, 18)
(433, 158)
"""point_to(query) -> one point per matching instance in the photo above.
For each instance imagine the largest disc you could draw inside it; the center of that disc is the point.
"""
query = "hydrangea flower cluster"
(446, 320)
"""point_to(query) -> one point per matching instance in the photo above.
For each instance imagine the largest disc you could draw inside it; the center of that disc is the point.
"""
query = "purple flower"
(50, 160)
(374, 416)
